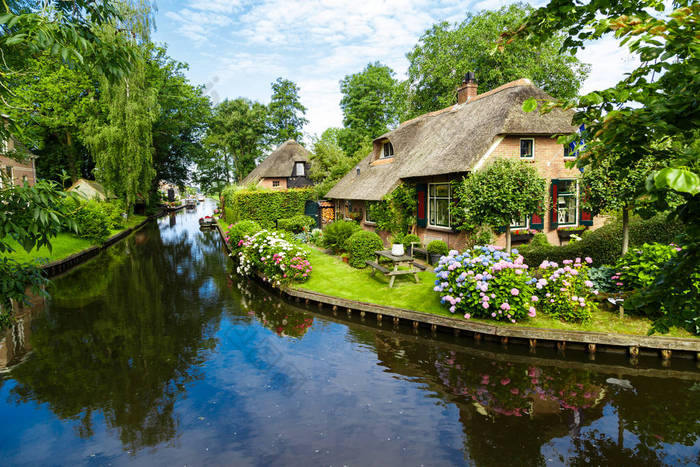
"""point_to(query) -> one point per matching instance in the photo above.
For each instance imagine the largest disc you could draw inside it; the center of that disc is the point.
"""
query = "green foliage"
(297, 224)
(396, 213)
(361, 247)
(113, 211)
(265, 206)
(565, 291)
(639, 267)
(369, 101)
(602, 278)
(235, 139)
(540, 239)
(329, 162)
(410, 238)
(503, 191)
(15, 278)
(437, 247)
(445, 52)
(272, 255)
(236, 232)
(604, 245)
(92, 220)
(337, 233)
(285, 118)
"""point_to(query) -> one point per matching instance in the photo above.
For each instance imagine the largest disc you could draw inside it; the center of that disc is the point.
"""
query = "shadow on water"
(154, 344)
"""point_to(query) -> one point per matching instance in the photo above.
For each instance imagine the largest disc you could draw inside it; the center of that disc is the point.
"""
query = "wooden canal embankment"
(60, 266)
(592, 342)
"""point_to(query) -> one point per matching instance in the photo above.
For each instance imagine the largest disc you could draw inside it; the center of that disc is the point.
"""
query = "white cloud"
(609, 62)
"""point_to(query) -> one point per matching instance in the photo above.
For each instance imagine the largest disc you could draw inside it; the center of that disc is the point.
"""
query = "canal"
(151, 354)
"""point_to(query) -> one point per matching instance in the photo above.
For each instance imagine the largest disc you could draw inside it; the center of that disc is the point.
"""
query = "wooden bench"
(416, 248)
(377, 267)
(422, 267)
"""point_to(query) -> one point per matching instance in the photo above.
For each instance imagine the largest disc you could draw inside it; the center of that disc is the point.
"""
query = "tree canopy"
(445, 52)
(285, 113)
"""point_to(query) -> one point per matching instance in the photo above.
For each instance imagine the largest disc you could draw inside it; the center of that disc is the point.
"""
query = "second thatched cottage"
(437, 148)
(286, 167)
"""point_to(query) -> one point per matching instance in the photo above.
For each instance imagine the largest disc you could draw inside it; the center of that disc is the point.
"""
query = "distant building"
(89, 189)
(287, 167)
(16, 163)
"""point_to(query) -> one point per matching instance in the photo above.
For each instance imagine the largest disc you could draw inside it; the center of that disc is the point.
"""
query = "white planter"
(397, 249)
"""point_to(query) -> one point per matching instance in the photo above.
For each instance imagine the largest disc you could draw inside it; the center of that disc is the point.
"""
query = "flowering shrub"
(566, 292)
(238, 231)
(485, 282)
(276, 258)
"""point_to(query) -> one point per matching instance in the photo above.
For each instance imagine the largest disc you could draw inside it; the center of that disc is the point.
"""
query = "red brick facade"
(18, 171)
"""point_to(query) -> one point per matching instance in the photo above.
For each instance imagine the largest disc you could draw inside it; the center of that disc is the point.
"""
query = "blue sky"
(238, 47)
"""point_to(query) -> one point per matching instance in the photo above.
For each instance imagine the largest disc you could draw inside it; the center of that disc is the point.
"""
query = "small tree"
(504, 191)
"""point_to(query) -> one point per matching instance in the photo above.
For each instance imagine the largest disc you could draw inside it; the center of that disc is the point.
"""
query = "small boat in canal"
(190, 203)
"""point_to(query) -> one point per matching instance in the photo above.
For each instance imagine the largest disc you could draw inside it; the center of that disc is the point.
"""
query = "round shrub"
(361, 247)
(485, 282)
(410, 238)
(337, 233)
(540, 239)
(566, 292)
(276, 258)
(114, 211)
(90, 219)
(437, 247)
(238, 231)
(297, 224)
(640, 266)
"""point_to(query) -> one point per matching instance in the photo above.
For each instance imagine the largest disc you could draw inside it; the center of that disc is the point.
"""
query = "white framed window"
(275, 183)
(527, 148)
(387, 150)
(300, 169)
(567, 202)
(6, 178)
(439, 204)
(520, 223)
(5, 145)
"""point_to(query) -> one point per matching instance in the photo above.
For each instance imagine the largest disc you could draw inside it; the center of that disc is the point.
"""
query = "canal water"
(151, 354)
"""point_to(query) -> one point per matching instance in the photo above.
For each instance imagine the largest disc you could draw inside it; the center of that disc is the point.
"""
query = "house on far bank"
(89, 189)
(16, 163)
(434, 149)
(286, 167)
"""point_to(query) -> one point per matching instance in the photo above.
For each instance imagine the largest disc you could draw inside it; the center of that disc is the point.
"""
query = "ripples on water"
(151, 354)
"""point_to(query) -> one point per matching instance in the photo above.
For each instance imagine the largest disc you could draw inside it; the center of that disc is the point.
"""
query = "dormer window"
(299, 169)
(388, 150)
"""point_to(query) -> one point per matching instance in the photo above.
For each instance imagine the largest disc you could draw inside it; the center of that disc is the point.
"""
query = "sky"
(237, 48)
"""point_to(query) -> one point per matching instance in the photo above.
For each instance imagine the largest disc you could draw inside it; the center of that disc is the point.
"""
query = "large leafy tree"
(447, 51)
(369, 101)
(235, 140)
(183, 116)
(496, 195)
(329, 163)
(652, 113)
(285, 113)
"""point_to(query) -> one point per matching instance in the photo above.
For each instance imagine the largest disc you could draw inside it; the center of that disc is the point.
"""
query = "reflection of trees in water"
(129, 352)
(595, 448)
(282, 318)
(509, 410)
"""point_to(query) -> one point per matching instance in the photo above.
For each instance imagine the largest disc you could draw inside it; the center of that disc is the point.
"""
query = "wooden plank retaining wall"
(665, 347)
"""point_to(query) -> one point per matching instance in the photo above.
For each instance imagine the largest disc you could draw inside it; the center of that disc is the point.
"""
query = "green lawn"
(333, 277)
(63, 245)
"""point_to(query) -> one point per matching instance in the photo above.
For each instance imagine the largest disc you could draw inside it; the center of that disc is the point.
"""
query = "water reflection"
(153, 345)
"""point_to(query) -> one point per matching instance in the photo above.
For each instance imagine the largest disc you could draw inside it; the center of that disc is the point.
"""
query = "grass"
(331, 276)
(63, 245)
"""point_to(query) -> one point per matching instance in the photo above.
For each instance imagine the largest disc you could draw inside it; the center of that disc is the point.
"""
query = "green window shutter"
(422, 210)
(553, 197)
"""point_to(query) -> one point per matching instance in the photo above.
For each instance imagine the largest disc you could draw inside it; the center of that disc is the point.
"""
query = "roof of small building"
(280, 163)
(91, 183)
(451, 140)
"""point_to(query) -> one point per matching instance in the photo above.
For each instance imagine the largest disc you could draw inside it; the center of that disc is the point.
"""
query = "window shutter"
(421, 215)
(553, 192)
(585, 217)
(537, 221)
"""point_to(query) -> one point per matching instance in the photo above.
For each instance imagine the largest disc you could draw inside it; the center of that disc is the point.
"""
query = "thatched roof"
(280, 163)
(451, 140)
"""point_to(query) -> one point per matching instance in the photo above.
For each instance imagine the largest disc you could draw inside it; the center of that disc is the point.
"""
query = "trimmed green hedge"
(297, 224)
(361, 247)
(604, 245)
(265, 206)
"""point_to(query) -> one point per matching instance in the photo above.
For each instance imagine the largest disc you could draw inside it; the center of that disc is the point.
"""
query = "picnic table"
(397, 261)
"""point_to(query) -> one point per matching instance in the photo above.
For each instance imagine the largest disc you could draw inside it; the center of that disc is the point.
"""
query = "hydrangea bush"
(485, 282)
(274, 256)
(566, 292)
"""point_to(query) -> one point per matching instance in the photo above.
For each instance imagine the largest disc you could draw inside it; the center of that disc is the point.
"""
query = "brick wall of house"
(19, 170)
(268, 183)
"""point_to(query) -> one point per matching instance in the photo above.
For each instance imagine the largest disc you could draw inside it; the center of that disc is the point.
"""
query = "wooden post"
(634, 352)
(335, 307)
(561, 346)
(379, 317)
(349, 311)
(456, 331)
(320, 305)
(433, 328)
(504, 340)
(477, 336)
(533, 344)
(415, 324)
(396, 320)
(666, 354)
(362, 314)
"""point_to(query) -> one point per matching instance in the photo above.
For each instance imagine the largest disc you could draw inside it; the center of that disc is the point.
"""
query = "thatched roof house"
(89, 189)
(286, 167)
(433, 149)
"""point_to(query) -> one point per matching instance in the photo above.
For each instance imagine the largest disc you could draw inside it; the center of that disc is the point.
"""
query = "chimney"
(467, 90)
